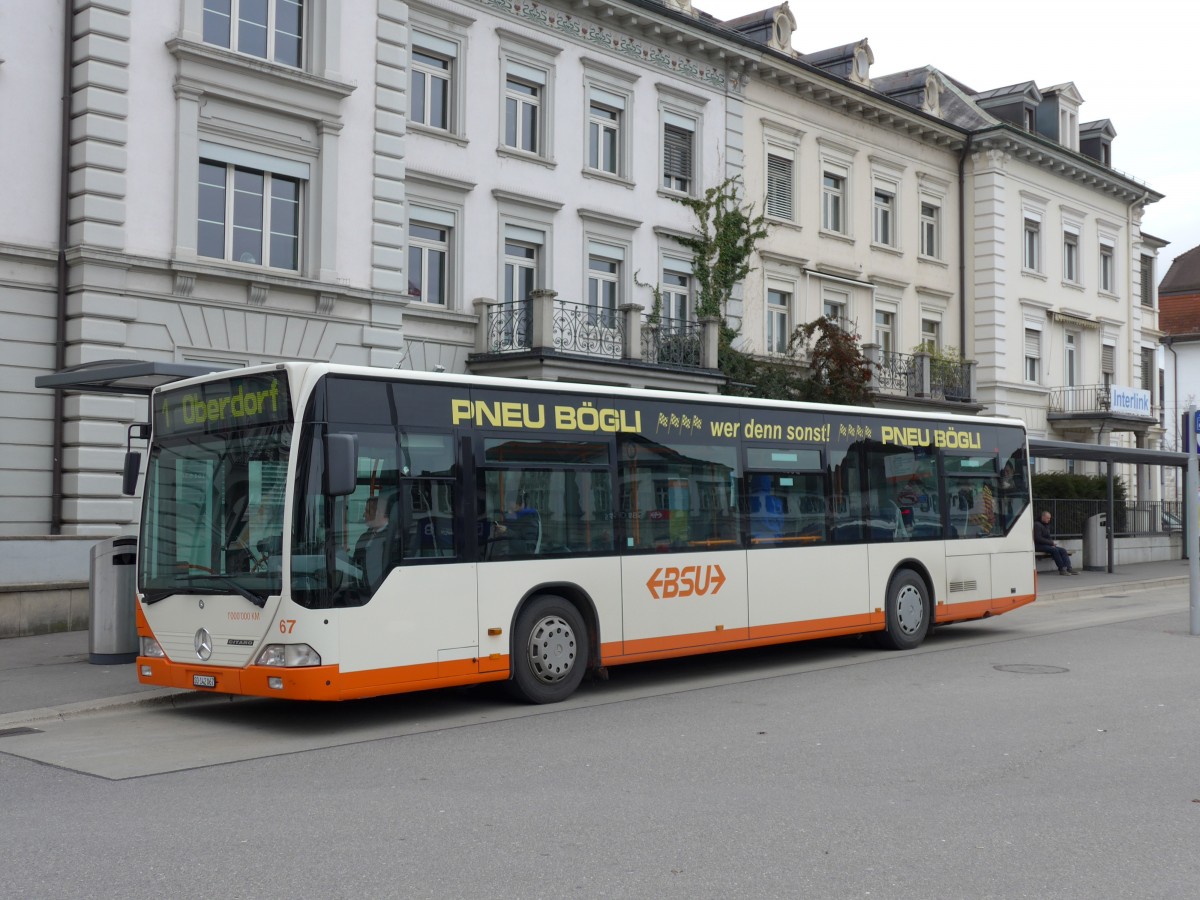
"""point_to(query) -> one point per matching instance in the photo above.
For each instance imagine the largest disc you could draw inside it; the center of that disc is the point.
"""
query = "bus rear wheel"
(906, 612)
(549, 650)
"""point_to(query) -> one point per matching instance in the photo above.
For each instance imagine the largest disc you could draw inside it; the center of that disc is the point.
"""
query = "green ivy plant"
(726, 234)
(655, 316)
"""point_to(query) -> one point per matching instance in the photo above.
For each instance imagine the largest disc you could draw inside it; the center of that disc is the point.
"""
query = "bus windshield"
(212, 518)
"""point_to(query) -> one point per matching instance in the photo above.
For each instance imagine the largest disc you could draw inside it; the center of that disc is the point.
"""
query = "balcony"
(1099, 405)
(919, 379)
(548, 338)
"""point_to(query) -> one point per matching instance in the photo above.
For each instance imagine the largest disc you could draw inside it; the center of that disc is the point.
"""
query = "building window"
(430, 97)
(1108, 360)
(604, 132)
(678, 155)
(522, 112)
(1071, 257)
(833, 202)
(1107, 261)
(268, 29)
(931, 335)
(1147, 281)
(604, 281)
(885, 216)
(1033, 245)
(931, 230)
(1072, 359)
(779, 186)
(520, 279)
(428, 254)
(1030, 119)
(248, 216)
(676, 295)
(885, 330)
(835, 306)
(1033, 356)
(778, 326)
(1148, 369)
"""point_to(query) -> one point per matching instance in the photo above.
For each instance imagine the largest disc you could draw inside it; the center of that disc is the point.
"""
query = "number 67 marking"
(286, 626)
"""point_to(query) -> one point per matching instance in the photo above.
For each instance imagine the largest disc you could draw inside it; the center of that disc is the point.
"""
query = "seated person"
(1043, 542)
(519, 527)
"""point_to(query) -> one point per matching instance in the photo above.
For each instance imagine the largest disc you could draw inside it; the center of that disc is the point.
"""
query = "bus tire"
(550, 650)
(906, 612)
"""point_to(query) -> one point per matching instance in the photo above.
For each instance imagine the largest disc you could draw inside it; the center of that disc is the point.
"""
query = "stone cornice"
(1065, 163)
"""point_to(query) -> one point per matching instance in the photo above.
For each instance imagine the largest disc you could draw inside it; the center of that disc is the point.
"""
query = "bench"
(1039, 555)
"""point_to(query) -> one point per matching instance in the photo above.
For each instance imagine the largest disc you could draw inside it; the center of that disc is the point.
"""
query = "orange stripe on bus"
(977, 609)
(319, 682)
(330, 683)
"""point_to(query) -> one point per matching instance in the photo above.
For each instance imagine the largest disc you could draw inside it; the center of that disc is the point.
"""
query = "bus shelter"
(1040, 448)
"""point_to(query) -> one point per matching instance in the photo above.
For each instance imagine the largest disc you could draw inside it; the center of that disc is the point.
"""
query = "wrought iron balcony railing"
(592, 330)
(896, 373)
(672, 342)
(920, 375)
(1087, 398)
(623, 334)
(509, 327)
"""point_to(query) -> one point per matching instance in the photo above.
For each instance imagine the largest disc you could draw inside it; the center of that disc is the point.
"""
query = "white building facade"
(491, 186)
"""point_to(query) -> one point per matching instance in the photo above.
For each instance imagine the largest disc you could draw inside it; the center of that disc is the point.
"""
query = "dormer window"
(1030, 119)
(782, 29)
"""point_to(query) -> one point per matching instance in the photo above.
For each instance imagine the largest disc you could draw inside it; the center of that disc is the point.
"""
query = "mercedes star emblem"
(203, 643)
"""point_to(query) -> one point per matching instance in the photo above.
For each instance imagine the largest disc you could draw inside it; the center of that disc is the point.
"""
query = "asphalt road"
(1054, 752)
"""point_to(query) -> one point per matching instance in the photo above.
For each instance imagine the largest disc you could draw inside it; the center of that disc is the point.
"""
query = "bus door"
(683, 571)
(786, 513)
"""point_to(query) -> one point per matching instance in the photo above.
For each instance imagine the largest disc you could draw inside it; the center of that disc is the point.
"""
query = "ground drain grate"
(13, 732)
(1115, 597)
(1020, 669)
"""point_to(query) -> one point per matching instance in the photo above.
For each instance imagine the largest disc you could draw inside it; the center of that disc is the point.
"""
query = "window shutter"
(1108, 359)
(779, 186)
(1033, 343)
(677, 152)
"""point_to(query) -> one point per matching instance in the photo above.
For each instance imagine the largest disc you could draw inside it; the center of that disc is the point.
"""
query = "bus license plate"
(209, 681)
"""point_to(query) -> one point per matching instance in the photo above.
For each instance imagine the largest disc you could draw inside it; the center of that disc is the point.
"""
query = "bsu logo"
(686, 582)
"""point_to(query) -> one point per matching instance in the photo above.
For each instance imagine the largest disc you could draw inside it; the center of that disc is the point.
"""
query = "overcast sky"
(1118, 58)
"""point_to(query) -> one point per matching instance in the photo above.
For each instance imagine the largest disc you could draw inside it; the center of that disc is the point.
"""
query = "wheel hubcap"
(552, 649)
(910, 609)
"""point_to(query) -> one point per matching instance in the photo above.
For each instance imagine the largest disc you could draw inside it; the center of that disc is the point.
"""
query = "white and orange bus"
(326, 532)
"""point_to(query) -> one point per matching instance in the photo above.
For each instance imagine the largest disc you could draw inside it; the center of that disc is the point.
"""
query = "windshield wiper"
(258, 601)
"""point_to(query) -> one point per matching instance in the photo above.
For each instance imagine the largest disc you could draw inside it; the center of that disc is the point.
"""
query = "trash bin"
(1095, 543)
(112, 627)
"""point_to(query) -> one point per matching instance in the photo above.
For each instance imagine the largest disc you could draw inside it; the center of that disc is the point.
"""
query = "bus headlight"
(288, 655)
(150, 647)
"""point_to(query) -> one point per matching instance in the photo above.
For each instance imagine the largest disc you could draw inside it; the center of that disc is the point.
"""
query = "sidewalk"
(48, 676)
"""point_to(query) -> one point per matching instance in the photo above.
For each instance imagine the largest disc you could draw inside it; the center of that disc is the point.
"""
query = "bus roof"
(308, 373)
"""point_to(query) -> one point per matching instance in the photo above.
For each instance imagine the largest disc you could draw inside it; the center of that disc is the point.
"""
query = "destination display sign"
(217, 406)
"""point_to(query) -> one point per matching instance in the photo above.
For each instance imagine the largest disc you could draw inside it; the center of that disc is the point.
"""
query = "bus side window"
(973, 487)
(678, 496)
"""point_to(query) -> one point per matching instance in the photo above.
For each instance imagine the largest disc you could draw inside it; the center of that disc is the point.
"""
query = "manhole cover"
(1020, 669)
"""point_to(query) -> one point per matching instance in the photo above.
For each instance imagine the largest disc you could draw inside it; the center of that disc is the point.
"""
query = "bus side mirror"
(129, 478)
(341, 464)
(133, 459)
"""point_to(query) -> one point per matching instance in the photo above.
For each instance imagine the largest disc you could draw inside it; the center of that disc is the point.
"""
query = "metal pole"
(1110, 519)
(1191, 510)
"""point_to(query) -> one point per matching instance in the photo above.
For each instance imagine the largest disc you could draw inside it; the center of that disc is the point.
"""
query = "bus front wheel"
(550, 650)
(907, 612)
